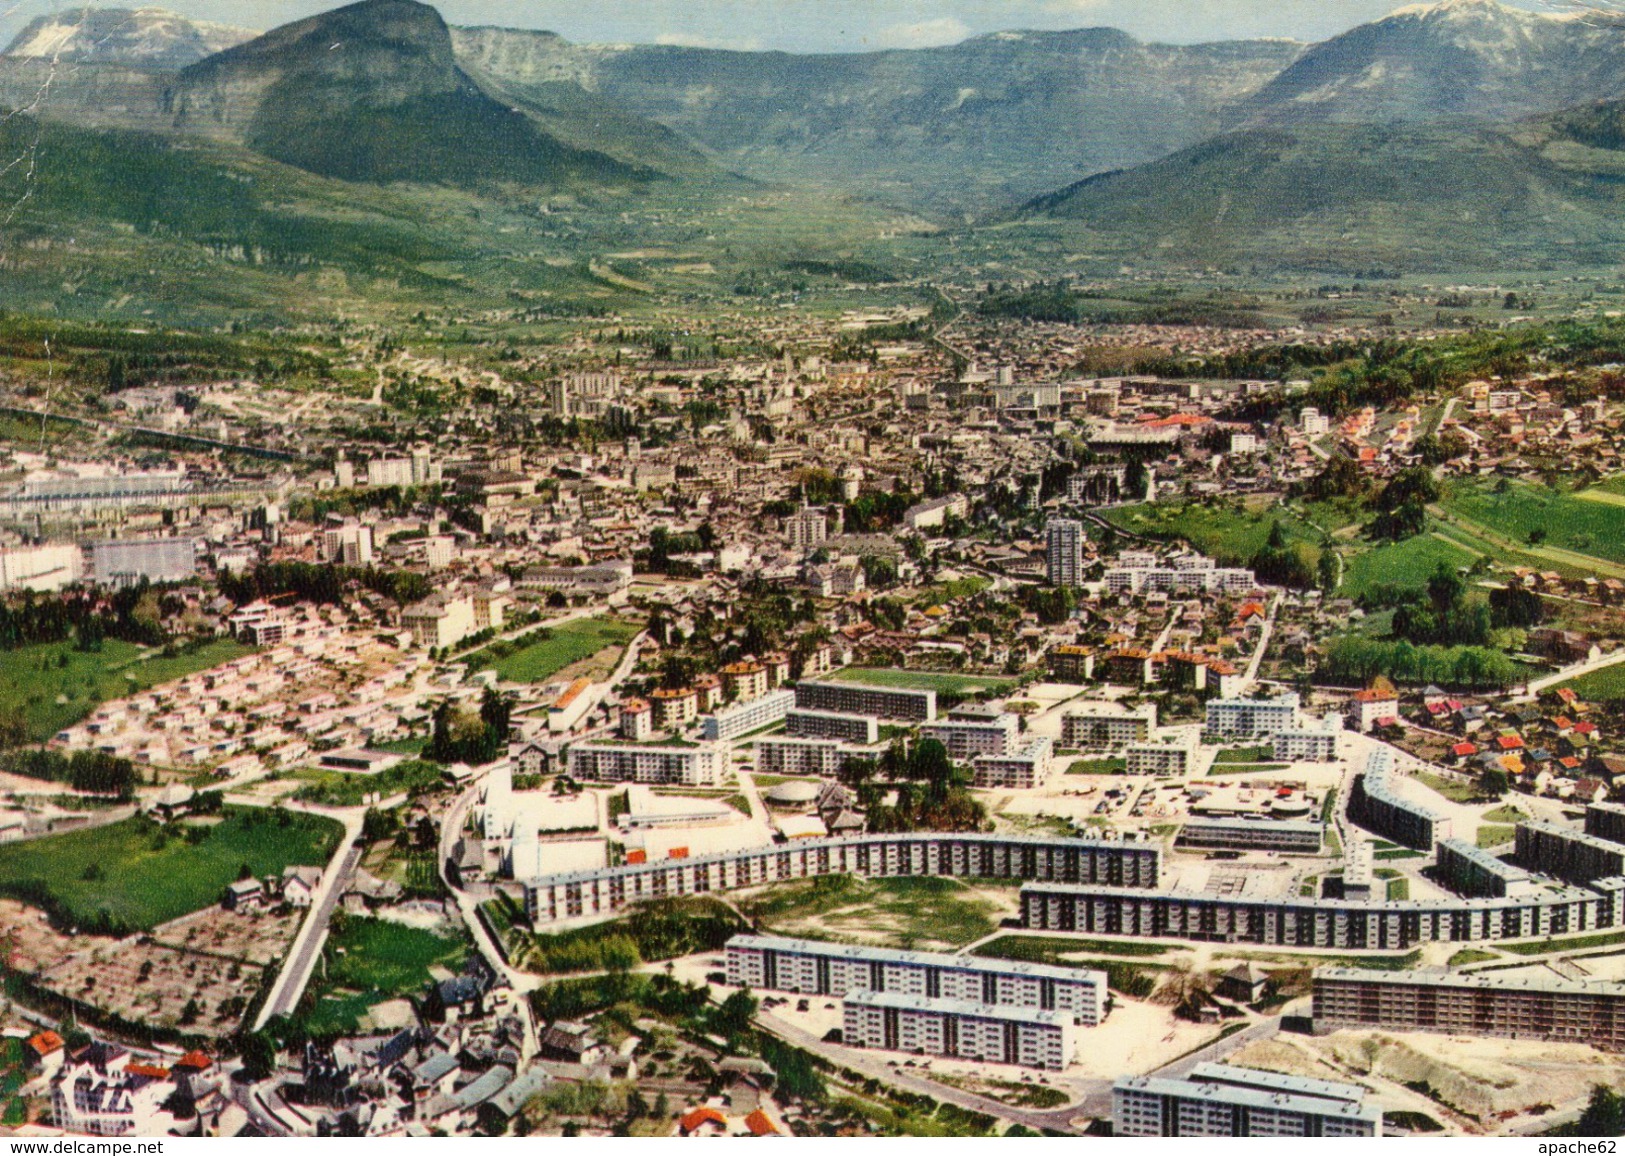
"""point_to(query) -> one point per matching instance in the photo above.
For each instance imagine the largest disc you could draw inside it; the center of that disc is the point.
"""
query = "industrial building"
(811, 967)
(1544, 1007)
(1223, 1100)
(945, 1027)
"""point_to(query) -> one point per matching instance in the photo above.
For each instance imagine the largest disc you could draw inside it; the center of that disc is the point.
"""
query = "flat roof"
(1551, 983)
(920, 958)
(1575, 835)
(1003, 1012)
(1554, 896)
(1277, 1081)
(1249, 1097)
(1484, 860)
(1262, 823)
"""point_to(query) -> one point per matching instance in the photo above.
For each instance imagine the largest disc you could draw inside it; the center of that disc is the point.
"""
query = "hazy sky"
(826, 25)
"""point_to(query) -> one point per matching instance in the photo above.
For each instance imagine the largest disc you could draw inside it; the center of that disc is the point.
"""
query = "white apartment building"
(1223, 1100)
(1250, 719)
(1170, 755)
(348, 543)
(967, 738)
(822, 757)
(1066, 542)
(1025, 1037)
(1102, 726)
(828, 724)
(742, 718)
(806, 529)
(701, 765)
(43, 569)
(1016, 770)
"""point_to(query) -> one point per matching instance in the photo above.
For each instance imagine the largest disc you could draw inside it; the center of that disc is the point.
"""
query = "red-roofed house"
(1369, 707)
(1509, 742)
(703, 1122)
(1464, 751)
(761, 1124)
(45, 1052)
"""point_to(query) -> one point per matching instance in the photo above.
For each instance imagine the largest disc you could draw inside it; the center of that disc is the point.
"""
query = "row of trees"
(471, 737)
(322, 583)
(91, 772)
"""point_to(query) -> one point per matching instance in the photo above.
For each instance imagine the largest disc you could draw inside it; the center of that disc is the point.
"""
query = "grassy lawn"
(1404, 564)
(56, 685)
(1399, 889)
(1244, 755)
(1578, 943)
(136, 875)
(1606, 685)
(1492, 835)
(540, 655)
(368, 961)
(1455, 791)
(1471, 955)
(1055, 948)
(940, 592)
(902, 912)
(343, 789)
(1111, 766)
(961, 684)
(1507, 814)
(1223, 532)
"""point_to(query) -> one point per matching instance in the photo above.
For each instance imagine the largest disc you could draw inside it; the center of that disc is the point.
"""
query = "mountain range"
(1463, 131)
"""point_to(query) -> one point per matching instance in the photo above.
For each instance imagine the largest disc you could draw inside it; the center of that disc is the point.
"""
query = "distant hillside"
(1474, 59)
(973, 126)
(371, 92)
(1356, 197)
(140, 38)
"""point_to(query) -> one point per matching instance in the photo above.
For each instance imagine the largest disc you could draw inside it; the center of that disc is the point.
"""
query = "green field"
(1056, 949)
(1115, 765)
(135, 875)
(368, 961)
(1578, 943)
(537, 657)
(1571, 524)
(1606, 685)
(1222, 532)
(1402, 564)
(961, 684)
(56, 685)
(905, 912)
(343, 789)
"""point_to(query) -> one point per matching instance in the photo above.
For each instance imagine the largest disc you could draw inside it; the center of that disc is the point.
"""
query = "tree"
(1604, 1115)
(737, 1013)
(1494, 783)
(259, 1055)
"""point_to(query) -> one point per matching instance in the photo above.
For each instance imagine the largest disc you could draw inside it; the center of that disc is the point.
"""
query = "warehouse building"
(811, 967)
(604, 891)
(1022, 1036)
(1223, 1100)
(1545, 1007)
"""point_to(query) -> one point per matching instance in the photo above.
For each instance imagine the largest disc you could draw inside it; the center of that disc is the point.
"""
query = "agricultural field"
(1605, 685)
(1564, 528)
(347, 789)
(1231, 532)
(54, 685)
(961, 684)
(539, 656)
(367, 962)
(134, 875)
(1401, 564)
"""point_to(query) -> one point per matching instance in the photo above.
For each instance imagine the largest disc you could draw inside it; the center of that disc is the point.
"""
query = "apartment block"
(1107, 726)
(1224, 1100)
(674, 708)
(43, 569)
(1606, 821)
(1468, 869)
(1376, 804)
(601, 892)
(811, 967)
(1066, 551)
(825, 724)
(967, 738)
(1072, 663)
(742, 718)
(1308, 743)
(1171, 755)
(821, 757)
(691, 766)
(1285, 836)
(742, 681)
(1546, 1008)
(1024, 1037)
(1019, 770)
(1310, 922)
(1568, 853)
(130, 561)
(854, 698)
(1250, 719)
